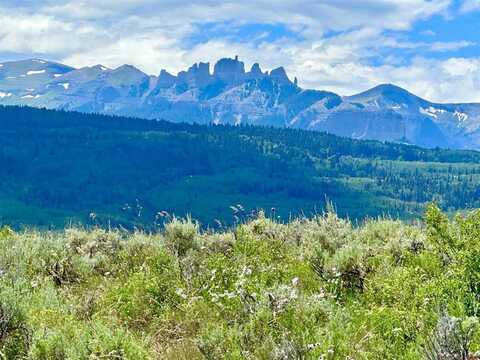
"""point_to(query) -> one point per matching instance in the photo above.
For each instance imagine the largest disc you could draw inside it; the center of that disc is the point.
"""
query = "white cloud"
(450, 46)
(151, 34)
(451, 80)
(428, 33)
(149, 52)
(470, 5)
(314, 15)
(44, 34)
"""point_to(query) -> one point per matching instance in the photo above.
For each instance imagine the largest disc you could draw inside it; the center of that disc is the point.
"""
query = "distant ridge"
(227, 93)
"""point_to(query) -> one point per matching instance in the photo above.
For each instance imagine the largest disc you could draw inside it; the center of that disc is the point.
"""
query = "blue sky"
(431, 47)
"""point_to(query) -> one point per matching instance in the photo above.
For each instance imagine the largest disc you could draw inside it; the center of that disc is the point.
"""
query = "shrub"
(451, 339)
(311, 288)
(14, 332)
(181, 235)
(5, 231)
(327, 233)
(94, 242)
(145, 294)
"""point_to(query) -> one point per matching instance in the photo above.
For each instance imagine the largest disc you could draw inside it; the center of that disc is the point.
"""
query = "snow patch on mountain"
(462, 117)
(35, 72)
(432, 111)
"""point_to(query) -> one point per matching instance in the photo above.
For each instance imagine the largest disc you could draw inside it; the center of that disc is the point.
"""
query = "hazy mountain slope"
(388, 112)
(231, 95)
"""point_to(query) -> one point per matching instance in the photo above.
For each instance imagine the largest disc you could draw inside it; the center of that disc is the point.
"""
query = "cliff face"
(230, 94)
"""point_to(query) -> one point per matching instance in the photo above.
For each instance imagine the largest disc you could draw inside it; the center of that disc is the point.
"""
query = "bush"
(145, 294)
(14, 331)
(5, 231)
(452, 339)
(181, 235)
(312, 288)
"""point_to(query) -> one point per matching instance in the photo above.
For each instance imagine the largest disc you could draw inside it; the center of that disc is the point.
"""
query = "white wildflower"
(180, 293)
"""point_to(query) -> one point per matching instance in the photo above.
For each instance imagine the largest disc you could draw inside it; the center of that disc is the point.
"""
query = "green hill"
(60, 167)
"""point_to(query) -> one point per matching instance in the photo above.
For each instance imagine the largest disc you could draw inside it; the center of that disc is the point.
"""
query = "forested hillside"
(58, 167)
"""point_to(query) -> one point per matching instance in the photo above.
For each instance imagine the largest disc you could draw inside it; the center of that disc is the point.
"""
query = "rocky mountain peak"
(128, 71)
(197, 75)
(231, 95)
(388, 93)
(280, 75)
(231, 71)
(256, 70)
(165, 79)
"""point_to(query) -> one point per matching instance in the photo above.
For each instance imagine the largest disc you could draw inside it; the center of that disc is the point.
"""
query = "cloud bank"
(338, 45)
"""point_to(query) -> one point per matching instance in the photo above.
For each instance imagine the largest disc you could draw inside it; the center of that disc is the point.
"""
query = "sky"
(430, 47)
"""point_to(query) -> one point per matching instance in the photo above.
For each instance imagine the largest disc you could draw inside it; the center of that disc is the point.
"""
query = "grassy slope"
(317, 288)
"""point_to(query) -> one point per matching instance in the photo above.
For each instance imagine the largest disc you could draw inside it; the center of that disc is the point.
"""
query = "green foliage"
(146, 293)
(14, 331)
(134, 172)
(452, 339)
(307, 289)
(181, 235)
(5, 231)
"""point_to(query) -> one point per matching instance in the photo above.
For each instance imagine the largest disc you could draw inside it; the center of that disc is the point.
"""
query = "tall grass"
(319, 288)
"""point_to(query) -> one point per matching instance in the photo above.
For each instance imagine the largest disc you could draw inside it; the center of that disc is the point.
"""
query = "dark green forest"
(62, 167)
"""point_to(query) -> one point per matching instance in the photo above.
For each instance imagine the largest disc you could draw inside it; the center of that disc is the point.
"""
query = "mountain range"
(232, 95)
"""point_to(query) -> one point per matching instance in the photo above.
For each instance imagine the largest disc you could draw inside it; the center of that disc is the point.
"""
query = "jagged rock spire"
(198, 74)
(256, 70)
(229, 70)
(279, 74)
(165, 79)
